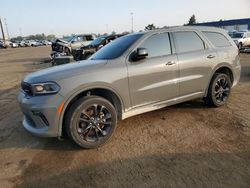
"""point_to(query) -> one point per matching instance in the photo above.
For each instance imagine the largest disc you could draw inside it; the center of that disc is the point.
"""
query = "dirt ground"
(186, 145)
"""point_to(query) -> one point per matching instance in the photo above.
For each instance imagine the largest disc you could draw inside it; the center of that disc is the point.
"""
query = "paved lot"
(187, 145)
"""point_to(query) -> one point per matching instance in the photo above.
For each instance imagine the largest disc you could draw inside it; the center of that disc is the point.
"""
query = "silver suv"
(134, 74)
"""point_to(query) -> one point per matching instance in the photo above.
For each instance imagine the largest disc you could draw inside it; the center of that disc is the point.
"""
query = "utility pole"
(132, 22)
(2, 32)
(7, 28)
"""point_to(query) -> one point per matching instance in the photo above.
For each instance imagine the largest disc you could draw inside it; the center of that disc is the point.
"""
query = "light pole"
(132, 22)
(1, 25)
(7, 28)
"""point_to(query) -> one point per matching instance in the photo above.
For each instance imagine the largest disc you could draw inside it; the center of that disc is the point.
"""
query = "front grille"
(38, 121)
(26, 88)
(56, 48)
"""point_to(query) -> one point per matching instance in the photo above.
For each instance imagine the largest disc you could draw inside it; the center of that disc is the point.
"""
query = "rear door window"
(188, 41)
(157, 45)
(89, 37)
(217, 39)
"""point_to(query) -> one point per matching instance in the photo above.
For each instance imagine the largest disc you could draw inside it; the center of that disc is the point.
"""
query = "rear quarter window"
(217, 39)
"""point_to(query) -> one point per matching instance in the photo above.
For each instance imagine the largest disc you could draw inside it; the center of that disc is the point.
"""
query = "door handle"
(170, 63)
(210, 56)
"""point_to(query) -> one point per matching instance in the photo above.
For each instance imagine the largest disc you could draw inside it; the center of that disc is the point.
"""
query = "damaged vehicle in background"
(68, 44)
(86, 51)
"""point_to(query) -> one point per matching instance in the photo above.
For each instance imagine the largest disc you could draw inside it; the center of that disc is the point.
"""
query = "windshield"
(97, 41)
(116, 48)
(68, 39)
(237, 35)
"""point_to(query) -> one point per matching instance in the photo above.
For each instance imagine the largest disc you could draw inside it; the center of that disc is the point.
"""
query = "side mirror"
(141, 53)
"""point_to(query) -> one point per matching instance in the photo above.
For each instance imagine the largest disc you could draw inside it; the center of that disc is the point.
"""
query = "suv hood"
(61, 40)
(65, 71)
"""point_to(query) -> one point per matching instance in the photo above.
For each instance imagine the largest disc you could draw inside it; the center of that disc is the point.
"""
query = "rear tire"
(91, 121)
(219, 90)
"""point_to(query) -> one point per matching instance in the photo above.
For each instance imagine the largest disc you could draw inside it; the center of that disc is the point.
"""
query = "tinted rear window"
(217, 39)
(188, 41)
(116, 48)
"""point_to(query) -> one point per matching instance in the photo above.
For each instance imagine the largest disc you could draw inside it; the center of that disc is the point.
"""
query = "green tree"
(50, 37)
(192, 20)
(150, 27)
(18, 38)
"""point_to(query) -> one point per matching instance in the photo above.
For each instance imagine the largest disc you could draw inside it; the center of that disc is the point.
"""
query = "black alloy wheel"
(91, 121)
(219, 90)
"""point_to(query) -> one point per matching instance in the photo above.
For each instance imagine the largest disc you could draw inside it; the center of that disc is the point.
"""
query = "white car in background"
(13, 44)
(46, 42)
(242, 39)
(32, 43)
(21, 43)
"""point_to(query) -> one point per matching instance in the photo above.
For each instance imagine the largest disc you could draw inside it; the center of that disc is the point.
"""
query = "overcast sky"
(61, 17)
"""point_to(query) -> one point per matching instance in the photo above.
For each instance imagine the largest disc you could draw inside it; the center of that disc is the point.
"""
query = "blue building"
(230, 25)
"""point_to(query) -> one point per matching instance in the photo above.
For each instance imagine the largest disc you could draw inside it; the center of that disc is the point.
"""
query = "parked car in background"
(136, 73)
(85, 52)
(32, 43)
(13, 44)
(242, 39)
(2, 44)
(39, 42)
(73, 42)
(231, 32)
(21, 43)
(46, 42)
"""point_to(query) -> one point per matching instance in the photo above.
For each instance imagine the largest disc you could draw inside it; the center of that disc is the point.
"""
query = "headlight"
(45, 88)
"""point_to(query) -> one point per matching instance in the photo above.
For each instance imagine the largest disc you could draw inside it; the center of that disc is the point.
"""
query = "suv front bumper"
(41, 116)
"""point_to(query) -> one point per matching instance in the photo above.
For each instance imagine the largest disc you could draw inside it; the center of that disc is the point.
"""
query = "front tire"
(240, 46)
(219, 90)
(67, 51)
(91, 121)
